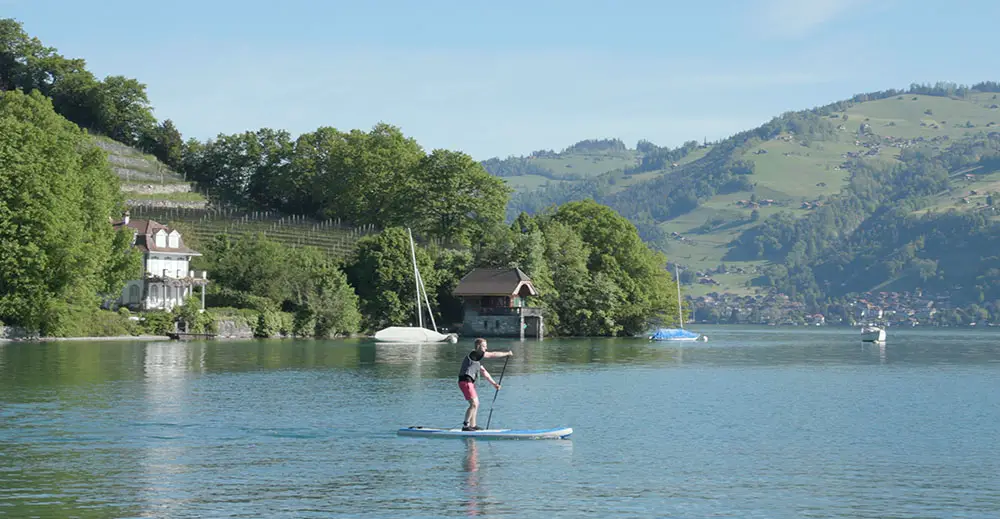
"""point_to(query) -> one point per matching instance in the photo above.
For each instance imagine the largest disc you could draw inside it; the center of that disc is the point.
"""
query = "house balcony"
(525, 311)
(192, 276)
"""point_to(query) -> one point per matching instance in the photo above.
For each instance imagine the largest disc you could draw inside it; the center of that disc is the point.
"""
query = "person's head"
(481, 344)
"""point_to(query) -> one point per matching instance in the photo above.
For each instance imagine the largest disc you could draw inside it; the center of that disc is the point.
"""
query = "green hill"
(702, 208)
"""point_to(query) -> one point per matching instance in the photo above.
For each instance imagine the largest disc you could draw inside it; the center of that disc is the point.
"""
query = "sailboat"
(416, 334)
(677, 334)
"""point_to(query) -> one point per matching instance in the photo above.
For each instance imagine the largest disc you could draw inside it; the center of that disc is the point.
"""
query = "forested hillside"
(818, 204)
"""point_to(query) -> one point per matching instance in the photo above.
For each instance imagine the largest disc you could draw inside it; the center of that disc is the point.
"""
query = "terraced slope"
(198, 226)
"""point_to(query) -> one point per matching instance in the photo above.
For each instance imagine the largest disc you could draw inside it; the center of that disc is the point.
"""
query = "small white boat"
(416, 334)
(489, 434)
(872, 334)
(413, 334)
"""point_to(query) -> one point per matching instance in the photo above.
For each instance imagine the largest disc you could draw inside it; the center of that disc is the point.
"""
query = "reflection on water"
(472, 488)
(755, 423)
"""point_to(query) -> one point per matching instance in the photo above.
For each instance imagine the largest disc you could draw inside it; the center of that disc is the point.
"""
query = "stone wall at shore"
(12, 333)
(232, 329)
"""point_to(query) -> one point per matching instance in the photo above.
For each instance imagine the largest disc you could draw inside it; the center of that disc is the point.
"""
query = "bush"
(157, 323)
(102, 323)
(229, 298)
(268, 324)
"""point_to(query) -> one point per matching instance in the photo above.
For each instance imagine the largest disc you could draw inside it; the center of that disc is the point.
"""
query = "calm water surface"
(757, 422)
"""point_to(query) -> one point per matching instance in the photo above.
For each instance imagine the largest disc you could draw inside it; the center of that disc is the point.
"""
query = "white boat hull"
(873, 335)
(413, 335)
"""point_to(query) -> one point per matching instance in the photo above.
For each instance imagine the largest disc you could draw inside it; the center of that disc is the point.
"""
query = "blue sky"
(501, 78)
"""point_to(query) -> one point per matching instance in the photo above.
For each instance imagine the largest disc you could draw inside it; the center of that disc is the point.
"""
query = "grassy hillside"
(792, 173)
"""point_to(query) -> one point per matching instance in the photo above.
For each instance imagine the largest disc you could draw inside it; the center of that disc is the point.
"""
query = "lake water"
(757, 422)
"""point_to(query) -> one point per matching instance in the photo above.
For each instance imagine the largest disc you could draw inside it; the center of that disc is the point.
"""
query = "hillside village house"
(496, 305)
(166, 279)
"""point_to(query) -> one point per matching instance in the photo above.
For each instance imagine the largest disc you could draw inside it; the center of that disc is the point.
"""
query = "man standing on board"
(471, 368)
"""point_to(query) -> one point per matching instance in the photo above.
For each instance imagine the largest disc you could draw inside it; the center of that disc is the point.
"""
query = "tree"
(57, 195)
(164, 141)
(251, 264)
(330, 307)
(125, 113)
(451, 194)
(638, 286)
(364, 176)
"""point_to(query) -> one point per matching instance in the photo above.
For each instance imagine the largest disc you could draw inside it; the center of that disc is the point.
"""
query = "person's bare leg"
(470, 413)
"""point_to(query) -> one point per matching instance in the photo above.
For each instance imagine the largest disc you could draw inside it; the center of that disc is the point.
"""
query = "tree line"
(595, 277)
(379, 177)
(59, 256)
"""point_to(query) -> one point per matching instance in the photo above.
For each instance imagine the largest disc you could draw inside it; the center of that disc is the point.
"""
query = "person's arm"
(482, 369)
(497, 354)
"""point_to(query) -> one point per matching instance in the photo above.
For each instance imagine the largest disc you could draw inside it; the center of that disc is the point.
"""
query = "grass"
(589, 164)
(529, 182)
(906, 115)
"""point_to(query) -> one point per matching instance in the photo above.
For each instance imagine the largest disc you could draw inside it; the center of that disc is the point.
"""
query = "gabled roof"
(145, 230)
(495, 282)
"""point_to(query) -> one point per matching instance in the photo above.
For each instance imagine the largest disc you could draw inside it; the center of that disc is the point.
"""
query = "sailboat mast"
(430, 312)
(416, 278)
(677, 279)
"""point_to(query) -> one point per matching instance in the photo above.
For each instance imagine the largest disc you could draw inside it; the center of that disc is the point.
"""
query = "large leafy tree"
(361, 178)
(58, 251)
(617, 252)
(451, 195)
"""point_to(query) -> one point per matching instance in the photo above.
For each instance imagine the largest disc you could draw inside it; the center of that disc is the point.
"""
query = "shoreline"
(111, 338)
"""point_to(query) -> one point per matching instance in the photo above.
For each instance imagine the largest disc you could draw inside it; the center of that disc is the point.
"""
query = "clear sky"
(509, 77)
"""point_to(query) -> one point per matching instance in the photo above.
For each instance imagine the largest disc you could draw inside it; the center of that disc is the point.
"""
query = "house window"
(173, 240)
(133, 294)
(161, 238)
(486, 325)
(496, 324)
(154, 292)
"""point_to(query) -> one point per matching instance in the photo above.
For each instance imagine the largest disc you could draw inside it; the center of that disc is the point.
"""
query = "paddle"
(499, 383)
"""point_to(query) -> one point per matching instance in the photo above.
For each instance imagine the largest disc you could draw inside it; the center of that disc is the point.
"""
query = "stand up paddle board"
(490, 434)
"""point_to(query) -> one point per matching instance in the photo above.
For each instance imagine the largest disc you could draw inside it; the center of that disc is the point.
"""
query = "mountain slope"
(705, 211)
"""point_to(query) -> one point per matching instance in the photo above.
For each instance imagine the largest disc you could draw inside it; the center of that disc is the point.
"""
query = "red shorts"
(468, 389)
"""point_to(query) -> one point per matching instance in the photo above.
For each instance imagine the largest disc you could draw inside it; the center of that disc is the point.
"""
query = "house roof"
(145, 230)
(495, 282)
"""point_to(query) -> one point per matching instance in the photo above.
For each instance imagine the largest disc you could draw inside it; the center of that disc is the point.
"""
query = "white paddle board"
(492, 434)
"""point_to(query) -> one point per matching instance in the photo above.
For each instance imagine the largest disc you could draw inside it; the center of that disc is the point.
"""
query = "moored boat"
(872, 334)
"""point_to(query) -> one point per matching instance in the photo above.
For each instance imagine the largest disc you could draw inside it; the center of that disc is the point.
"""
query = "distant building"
(166, 279)
(495, 304)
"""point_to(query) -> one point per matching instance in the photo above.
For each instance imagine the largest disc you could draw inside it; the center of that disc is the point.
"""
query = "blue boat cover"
(666, 334)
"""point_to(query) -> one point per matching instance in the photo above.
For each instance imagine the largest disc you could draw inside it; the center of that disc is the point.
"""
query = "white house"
(166, 278)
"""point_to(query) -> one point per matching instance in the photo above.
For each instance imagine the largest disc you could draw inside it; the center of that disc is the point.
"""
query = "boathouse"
(496, 304)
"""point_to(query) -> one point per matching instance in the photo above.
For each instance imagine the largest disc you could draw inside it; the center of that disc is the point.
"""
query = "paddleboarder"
(467, 375)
